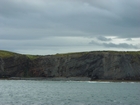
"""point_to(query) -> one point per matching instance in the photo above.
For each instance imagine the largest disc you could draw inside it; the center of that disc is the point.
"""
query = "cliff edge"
(97, 65)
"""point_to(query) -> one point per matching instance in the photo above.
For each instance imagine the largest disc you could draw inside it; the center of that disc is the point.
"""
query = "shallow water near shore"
(42, 92)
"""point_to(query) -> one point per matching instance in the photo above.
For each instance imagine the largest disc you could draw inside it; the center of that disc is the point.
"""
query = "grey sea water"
(31, 92)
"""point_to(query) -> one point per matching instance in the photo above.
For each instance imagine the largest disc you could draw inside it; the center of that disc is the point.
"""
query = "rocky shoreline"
(51, 79)
(66, 79)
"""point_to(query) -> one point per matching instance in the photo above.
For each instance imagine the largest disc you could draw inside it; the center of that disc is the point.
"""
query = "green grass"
(99, 52)
(133, 52)
(71, 54)
(32, 57)
(5, 54)
(125, 52)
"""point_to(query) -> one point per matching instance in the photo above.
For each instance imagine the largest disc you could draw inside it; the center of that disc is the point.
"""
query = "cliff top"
(100, 52)
(5, 54)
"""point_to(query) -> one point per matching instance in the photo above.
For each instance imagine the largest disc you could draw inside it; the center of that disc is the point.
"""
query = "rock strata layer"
(97, 65)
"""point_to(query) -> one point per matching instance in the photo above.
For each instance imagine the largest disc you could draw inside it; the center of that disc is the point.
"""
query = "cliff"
(103, 65)
(13, 64)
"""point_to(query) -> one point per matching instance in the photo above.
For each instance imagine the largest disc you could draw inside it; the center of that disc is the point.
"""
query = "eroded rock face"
(96, 65)
(14, 66)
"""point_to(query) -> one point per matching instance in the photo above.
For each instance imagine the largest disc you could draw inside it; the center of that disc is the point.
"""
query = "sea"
(42, 92)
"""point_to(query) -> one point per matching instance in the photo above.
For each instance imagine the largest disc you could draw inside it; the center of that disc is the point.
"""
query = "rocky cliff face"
(13, 65)
(96, 65)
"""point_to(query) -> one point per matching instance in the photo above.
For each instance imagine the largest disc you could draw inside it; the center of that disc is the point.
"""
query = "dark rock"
(14, 66)
(96, 65)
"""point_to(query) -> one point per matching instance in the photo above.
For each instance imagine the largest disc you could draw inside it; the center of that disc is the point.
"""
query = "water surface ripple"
(31, 92)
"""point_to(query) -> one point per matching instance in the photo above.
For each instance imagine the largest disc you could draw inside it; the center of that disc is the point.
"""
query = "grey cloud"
(128, 39)
(38, 19)
(113, 45)
(94, 43)
(86, 18)
(101, 4)
(120, 45)
(102, 38)
(40, 43)
(18, 9)
(118, 17)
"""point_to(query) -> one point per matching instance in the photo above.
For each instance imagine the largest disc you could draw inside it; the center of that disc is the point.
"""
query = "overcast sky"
(61, 26)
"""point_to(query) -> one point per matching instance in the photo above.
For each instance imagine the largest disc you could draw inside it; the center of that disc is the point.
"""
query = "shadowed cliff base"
(95, 65)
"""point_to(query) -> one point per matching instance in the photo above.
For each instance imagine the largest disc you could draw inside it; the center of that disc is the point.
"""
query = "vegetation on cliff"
(5, 54)
(32, 57)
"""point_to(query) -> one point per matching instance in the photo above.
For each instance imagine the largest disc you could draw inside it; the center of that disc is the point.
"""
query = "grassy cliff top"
(32, 57)
(99, 52)
(5, 54)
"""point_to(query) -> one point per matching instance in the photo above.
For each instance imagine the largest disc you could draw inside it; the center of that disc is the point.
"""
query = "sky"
(45, 27)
